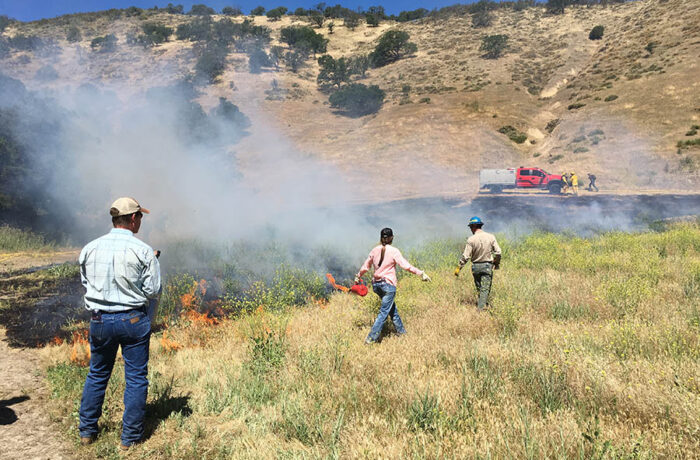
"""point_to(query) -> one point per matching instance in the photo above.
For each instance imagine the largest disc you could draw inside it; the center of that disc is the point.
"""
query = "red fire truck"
(496, 180)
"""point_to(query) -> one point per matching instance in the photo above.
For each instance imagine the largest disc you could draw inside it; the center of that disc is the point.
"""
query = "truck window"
(525, 172)
(535, 172)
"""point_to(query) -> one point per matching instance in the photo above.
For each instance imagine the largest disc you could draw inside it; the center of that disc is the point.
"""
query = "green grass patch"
(15, 239)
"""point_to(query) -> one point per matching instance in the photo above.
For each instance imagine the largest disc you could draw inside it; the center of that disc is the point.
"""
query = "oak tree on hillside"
(352, 21)
(257, 11)
(392, 46)
(231, 11)
(333, 72)
(557, 6)
(174, 9)
(201, 10)
(357, 99)
(303, 38)
(295, 59)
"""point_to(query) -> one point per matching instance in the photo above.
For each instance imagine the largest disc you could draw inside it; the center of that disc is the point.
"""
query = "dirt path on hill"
(25, 429)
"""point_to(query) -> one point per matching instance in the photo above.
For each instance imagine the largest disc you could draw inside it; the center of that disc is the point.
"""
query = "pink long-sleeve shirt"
(387, 271)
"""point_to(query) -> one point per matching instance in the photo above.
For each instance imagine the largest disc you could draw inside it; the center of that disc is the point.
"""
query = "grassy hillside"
(590, 350)
(618, 107)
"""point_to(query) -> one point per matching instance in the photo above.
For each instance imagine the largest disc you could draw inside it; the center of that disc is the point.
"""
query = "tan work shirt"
(481, 247)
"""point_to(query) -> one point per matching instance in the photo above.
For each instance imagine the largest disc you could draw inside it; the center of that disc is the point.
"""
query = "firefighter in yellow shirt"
(574, 182)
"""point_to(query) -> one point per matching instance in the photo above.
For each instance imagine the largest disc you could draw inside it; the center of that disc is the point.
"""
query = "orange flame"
(80, 350)
(333, 283)
(168, 344)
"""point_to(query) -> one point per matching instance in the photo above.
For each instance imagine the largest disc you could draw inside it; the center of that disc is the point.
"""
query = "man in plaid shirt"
(121, 275)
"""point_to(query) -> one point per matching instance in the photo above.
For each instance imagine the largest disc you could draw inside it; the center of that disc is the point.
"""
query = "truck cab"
(537, 178)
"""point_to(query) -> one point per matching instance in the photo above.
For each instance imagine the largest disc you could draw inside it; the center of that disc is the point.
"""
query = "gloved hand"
(357, 279)
(457, 270)
(425, 277)
(497, 266)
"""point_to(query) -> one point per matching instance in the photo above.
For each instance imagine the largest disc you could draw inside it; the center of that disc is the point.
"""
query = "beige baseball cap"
(126, 205)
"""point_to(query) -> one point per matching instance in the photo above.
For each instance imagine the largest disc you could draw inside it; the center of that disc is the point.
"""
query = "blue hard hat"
(475, 221)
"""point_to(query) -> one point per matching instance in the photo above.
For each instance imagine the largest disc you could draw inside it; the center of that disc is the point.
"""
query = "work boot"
(122, 447)
(370, 341)
(87, 440)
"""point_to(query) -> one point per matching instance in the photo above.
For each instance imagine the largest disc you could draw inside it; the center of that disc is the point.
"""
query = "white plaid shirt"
(119, 272)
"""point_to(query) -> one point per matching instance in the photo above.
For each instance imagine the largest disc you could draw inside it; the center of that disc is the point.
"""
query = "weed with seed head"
(425, 412)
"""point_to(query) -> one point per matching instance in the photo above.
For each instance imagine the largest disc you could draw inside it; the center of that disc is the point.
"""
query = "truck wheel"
(496, 189)
(554, 189)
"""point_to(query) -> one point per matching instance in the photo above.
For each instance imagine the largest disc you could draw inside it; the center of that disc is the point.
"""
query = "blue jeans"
(387, 292)
(132, 331)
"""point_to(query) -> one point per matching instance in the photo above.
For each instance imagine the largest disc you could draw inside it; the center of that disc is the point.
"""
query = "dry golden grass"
(591, 350)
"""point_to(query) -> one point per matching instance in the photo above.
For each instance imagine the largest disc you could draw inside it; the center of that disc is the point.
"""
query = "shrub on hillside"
(351, 21)
(333, 72)
(4, 22)
(303, 38)
(212, 62)
(359, 64)
(317, 18)
(257, 59)
(301, 12)
(174, 9)
(295, 59)
(372, 20)
(105, 44)
(357, 99)
(231, 11)
(73, 34)
(25, 42)
(392, 46)
(276, 14)
(557, 6)
(229, 112)
(201, 10)
(257, 11)
(481, 13)
(513, 134)
(154, 34)
(406, 16)
(494, 46)
(596, 33)
(481, 19)
(132, 11)
(197, 30)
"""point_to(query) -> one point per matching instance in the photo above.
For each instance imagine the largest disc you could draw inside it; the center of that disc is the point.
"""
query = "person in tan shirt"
(485, 254)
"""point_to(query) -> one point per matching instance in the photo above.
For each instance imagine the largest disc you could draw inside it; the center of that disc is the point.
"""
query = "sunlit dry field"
(590, 350)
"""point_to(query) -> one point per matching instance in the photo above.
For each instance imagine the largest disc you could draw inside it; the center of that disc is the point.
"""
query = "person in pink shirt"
(384, 258)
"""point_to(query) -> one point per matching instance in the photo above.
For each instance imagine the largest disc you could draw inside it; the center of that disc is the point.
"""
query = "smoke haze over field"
(160, 147)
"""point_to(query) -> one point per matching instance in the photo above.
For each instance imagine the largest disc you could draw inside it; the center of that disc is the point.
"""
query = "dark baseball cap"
(386, 232)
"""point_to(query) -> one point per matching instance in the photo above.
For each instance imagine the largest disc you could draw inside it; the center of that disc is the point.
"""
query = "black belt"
(142, 308)
(485, 262)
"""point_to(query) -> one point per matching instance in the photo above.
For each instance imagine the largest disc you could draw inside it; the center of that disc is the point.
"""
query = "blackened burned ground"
(38, 305)
(584, 215)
